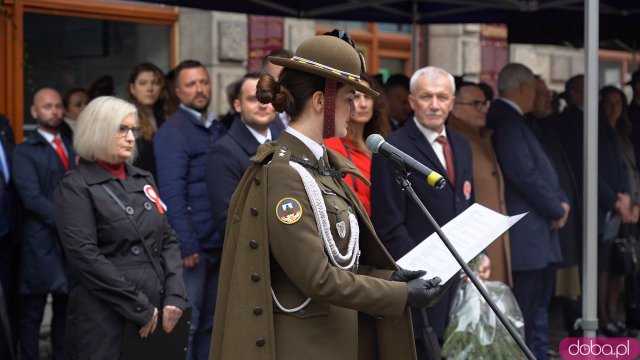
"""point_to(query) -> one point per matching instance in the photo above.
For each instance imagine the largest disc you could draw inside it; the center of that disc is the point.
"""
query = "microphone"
(377, 144)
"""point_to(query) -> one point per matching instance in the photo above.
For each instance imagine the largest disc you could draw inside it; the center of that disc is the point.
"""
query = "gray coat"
(116, 280)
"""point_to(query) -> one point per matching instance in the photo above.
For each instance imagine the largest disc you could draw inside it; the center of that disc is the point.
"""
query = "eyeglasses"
(479, 105)
(343, 35)
(123, 130)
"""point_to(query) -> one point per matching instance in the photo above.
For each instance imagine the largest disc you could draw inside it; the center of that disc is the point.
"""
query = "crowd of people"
(276, 218)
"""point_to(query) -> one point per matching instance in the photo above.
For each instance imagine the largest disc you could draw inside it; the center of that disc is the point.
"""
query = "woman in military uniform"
(115, 234)
(303, 275)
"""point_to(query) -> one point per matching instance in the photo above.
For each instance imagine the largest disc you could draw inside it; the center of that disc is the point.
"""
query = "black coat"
(115, 277)
(36, 172)
(634, 118)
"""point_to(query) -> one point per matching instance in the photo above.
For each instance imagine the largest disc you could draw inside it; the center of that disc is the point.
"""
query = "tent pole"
(415, 51)
(589, 321)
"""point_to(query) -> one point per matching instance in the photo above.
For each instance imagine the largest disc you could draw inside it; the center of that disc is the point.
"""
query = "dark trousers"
(32, 311)
(202, 287)
(532, 289)
(9, 265)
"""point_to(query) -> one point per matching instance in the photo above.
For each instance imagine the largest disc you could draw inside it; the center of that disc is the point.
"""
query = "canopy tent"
(554, 21)
(529, 21)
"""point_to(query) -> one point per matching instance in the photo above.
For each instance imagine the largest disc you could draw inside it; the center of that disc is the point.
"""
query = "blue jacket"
(228, 160)
(531, 185)
(400, 224)
(37, 169)
(181, 147)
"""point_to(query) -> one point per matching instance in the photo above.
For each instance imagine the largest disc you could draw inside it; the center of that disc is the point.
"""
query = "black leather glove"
(425, 293)
(407, 275)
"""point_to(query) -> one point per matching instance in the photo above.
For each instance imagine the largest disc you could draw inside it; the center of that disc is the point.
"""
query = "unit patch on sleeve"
(288, 211)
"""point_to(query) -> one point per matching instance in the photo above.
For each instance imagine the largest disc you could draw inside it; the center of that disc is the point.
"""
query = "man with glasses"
(38, 165)
(469, 119)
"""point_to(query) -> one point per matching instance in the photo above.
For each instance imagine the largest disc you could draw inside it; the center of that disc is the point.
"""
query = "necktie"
(448, 158)
(61, 154)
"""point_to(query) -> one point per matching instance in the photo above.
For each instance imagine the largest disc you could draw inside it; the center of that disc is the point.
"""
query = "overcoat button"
(155, 248)
(260, 342)
(139, 308)
(257, 310)
(253, 244)
(147, 205)
(135, 250)
(254, 211)
(255, 277)
(129, 210)
(256, 180)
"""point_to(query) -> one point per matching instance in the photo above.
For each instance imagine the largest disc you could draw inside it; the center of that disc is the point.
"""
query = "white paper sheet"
(469, 233)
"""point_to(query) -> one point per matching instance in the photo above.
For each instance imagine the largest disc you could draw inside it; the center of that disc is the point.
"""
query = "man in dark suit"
(38, 164)
(568, 274)
(229, 157)
(400, 224)
(531, 185)
(9, 250)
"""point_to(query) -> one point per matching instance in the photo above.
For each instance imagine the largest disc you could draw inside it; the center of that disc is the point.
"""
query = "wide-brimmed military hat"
(329, 57)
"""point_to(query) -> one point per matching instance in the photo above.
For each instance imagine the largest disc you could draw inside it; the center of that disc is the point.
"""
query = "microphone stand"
(401, 177)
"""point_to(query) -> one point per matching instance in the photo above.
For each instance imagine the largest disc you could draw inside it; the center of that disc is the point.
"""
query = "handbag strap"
(156, 267)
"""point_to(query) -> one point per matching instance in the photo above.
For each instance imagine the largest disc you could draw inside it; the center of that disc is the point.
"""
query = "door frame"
(12, 100)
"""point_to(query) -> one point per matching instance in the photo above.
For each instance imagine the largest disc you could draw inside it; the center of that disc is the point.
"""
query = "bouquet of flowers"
(475, 332)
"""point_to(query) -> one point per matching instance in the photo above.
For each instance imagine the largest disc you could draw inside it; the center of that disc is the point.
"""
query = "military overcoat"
(351, 315)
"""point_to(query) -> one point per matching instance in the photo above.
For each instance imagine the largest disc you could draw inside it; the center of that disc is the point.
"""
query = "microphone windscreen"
(373, 142)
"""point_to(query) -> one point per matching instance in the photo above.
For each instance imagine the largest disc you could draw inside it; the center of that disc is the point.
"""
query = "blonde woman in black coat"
(115, 234)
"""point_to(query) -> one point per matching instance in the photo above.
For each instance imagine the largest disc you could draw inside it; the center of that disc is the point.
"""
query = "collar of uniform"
(341, 164)
(429, 134)
(316, 149)
(95, 174)
(293, 146)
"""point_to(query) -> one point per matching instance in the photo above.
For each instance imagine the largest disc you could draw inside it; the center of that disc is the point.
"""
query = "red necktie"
(448, 158)
(61, 154)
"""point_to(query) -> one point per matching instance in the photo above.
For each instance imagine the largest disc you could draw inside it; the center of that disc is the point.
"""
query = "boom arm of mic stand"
(401, 177)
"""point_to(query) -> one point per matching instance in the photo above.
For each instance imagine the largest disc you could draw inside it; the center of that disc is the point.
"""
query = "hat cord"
(330, 90)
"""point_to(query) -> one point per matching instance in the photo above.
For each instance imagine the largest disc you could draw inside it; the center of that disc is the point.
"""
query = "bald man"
(38, 164)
